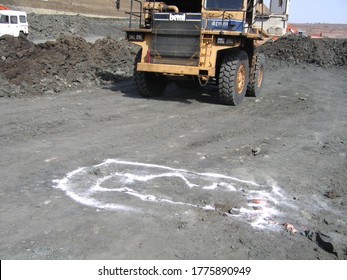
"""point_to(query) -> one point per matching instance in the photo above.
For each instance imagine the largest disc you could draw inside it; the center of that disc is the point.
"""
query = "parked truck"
(201, 42)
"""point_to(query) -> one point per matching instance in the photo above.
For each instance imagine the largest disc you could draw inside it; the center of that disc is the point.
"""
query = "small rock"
(344, 202)
(234, 211)
(222, 208)
(19, 54)
(327, 221)
(324, 242)
(256, 151)
(331, 194)
(303, 98)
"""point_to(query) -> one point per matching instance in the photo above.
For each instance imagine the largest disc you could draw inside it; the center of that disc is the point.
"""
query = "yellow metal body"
(207, 60)
(209, 49)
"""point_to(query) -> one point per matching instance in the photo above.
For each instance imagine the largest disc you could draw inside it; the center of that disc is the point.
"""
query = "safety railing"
(137, 14)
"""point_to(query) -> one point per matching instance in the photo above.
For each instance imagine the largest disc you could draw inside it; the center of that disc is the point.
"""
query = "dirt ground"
(93, 171)
(275, 160)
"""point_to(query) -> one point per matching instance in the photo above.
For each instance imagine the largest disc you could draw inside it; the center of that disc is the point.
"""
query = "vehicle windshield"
(229, 5)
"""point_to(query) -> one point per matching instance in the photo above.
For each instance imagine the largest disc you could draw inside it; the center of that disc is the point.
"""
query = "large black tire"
(148, 84)
(256, 78)
(233, 78)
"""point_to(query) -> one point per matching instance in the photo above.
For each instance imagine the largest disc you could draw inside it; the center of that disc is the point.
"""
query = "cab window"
(4, 19)
(14, 19)
(22, 19)
(225, 5)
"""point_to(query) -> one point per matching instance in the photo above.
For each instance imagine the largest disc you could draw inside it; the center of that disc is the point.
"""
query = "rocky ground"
(43, 27)
(186, 178)
(67, 60)
(75, 59)
(291, 50)
(90, 7)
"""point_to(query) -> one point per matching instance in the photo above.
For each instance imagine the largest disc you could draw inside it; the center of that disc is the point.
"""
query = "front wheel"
(233, 78)
(148, 84)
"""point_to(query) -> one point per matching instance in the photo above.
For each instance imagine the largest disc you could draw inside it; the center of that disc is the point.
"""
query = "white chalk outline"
(258, 215)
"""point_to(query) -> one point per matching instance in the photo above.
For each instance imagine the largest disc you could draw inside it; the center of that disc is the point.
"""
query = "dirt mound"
(71, 61)
(56, 65)
(94, 7)
(330, 53)
(54, 26)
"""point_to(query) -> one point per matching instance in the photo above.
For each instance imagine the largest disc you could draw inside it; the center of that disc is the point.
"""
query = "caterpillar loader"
(200, 42)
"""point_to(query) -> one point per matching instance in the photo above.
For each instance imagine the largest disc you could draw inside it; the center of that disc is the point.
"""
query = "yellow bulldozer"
(194, 43)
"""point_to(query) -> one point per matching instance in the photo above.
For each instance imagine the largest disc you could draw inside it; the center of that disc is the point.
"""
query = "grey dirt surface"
(43, 27)
(189, 178)
(89, 170)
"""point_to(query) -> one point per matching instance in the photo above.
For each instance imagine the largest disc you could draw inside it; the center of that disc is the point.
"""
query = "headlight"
(220, 41)
(135, 37)
(229, 41)
(139, 37)
(225, 41)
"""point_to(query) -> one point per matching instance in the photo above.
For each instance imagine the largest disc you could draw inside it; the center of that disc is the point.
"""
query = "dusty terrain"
(90, 7)
(325, 30)
(91, 171)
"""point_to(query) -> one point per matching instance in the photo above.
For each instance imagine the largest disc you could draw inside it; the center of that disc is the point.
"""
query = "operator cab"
(224, 5)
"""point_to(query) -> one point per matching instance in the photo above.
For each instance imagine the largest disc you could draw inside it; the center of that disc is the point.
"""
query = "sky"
(317, 11)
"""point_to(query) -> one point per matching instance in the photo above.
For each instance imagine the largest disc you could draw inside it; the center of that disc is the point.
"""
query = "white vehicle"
(13, 23)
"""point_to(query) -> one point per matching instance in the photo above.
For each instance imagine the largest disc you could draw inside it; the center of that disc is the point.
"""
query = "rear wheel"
(148, 84)
(233, 78)
(257, 75)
